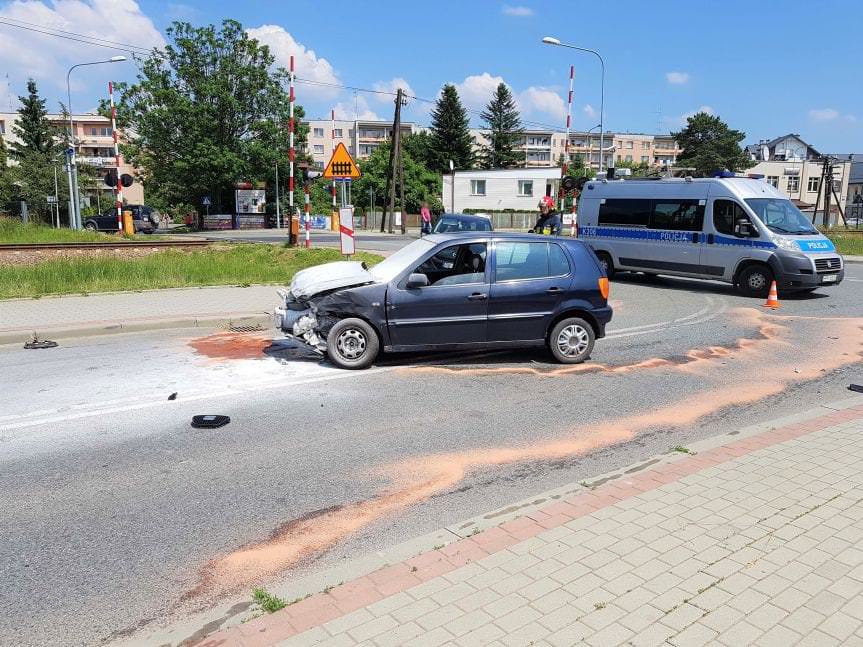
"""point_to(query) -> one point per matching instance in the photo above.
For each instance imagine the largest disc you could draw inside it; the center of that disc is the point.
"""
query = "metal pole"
(73, 218)
(56, 209)
(278, 211)
(308, 209)
(292, 128)
(116, 159)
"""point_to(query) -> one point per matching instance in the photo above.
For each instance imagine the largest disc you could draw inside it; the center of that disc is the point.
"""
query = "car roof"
(464, 216)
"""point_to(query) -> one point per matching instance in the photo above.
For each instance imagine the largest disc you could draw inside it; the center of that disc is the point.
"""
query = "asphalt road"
(118, 515)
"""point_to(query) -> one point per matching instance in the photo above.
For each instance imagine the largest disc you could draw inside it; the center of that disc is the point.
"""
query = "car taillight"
(603, 287)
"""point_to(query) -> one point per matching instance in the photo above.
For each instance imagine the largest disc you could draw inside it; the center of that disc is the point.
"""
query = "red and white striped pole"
(116, 159)
(566, 145)
(308, 210)
(333, 118)
(291, 128)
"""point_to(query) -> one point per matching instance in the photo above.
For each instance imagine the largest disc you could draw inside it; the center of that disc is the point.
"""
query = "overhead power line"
(70, 35)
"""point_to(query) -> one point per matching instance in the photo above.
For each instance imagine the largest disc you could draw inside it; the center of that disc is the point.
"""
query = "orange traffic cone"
(772, 297)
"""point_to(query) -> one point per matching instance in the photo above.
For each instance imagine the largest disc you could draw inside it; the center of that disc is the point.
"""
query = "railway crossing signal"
(341, 165)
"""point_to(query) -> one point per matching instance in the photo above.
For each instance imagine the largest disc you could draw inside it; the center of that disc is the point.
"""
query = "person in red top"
(426, 219)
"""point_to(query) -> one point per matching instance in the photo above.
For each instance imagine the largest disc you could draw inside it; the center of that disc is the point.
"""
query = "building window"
(773, 180)
(645, 145)
(538, 156)
(812, 184)
(629, 145)
(2, 127)
(793, 183)
(337, 132)
(628, 158)
(319, 149)
(318, 132)
(477, 187)
(620, 158)
(645, 159)
(525, 188)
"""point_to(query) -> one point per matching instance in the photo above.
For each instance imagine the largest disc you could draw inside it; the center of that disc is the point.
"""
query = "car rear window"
(521, 260)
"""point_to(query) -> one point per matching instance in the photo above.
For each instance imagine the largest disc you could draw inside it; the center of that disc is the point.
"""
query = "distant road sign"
(341, 165)
(206, 201)
(52, 199)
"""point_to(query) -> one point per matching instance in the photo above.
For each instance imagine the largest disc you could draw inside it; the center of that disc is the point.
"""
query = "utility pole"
(395, 163)
(278, 208)
(402, 189)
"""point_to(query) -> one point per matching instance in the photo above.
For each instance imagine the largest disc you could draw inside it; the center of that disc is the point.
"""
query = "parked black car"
(146, 220)
(451, 223)
(453, 291)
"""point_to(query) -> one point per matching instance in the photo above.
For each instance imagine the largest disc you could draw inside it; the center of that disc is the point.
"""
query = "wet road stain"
(770, 369)
(230, 345)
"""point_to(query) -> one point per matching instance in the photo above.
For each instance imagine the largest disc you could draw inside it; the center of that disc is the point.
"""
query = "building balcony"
(96, 161)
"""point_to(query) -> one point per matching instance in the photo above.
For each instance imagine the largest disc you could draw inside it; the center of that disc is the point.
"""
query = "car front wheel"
(571, 341)
(352, 344)
(90, 226)
(755, 281)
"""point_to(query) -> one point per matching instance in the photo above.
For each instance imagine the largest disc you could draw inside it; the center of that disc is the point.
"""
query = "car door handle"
(710, 239)
(552, 290)
(477, 296)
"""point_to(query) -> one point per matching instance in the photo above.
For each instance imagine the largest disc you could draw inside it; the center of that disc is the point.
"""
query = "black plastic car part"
(209, 421)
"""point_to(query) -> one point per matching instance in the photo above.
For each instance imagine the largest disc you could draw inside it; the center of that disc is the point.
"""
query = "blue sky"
(767, 68)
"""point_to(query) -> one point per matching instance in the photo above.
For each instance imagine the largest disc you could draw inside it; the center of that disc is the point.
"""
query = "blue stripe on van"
(668, 236)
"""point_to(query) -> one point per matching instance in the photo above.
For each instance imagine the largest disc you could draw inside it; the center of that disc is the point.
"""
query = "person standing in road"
(426, 219)
(549, 220)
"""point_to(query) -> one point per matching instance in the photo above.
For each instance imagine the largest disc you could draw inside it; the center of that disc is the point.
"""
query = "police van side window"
(624, 213)
(677, 215)
(725, 214)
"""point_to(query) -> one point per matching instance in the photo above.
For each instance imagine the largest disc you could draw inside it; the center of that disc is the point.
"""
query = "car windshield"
(407, 256)
(781, 216)
(448, 224)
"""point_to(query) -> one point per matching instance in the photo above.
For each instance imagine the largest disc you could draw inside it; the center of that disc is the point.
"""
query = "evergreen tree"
(35, 133)
(5, 178)
(503, 122)
(709, 145)
(450, 133)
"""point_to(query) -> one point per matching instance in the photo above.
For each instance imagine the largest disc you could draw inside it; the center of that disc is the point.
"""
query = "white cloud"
(180, 11)
(823, 114)
(27, 53)
(356, 108)
(677, 78)
(537, 99)
(521, 12)
(391, 86)
(307, 64)
(589, 111)
(476, 90)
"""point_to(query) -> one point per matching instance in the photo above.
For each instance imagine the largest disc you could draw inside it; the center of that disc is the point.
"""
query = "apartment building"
(544, 147)
(361, 138)
(94, 146)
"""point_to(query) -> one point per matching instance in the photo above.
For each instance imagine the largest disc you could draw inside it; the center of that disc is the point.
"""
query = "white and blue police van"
(735, 229)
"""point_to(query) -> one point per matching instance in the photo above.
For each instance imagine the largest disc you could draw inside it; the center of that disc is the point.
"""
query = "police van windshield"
(781, 216)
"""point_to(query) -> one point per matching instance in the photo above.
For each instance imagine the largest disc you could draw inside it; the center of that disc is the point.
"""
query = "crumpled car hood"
(329, 276)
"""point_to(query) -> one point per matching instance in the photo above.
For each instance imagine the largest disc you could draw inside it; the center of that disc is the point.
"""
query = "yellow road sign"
(342, 165)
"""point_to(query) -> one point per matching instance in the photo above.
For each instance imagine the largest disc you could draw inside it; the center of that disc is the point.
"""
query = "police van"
(734, 229)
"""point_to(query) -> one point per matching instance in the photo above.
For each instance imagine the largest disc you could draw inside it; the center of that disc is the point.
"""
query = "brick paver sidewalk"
(755, 542)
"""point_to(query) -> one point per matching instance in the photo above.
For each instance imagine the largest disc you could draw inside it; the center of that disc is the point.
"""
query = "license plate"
(829, 278)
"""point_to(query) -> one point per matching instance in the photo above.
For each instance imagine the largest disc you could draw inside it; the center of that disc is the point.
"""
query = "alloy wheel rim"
(757, 281)
(351, 344)
(573, 340)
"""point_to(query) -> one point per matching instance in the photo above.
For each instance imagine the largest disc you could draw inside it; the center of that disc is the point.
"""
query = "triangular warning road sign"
(341, 165)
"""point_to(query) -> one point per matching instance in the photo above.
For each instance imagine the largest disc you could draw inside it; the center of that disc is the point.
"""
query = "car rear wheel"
(755, 281)
(571, 340)
(90, 226)
(352, 344)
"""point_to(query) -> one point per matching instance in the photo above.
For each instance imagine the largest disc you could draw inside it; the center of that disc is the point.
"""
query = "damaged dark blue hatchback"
(450, 292)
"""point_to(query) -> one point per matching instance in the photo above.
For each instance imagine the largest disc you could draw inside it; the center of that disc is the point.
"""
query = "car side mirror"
(742, 228)
(417, 280)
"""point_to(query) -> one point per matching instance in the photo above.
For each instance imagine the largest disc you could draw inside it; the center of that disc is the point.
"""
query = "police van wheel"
(755, 281)
(571, 341)
(607, 264)
(352, 344)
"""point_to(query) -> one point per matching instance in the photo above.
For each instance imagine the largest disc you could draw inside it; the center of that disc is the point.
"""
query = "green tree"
(709, 145)
(5, 178)
(421, 183)
(37, 151)
(639, 169)
(419, 147)
(207, 111)
(503, 122)
(450, 133)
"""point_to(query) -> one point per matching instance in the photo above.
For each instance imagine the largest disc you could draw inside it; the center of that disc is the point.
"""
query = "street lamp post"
(549, 40)
(452, 193)
(75, 216)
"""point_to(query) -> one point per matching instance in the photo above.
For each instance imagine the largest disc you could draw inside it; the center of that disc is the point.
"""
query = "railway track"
(109, 245)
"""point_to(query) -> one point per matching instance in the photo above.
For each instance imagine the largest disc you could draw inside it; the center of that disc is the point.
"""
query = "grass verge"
(850, 244)
(14, 232)
(239, 264)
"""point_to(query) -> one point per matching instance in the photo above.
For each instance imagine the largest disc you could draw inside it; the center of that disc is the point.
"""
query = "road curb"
(235, 612)
(228, 322)
(853, 259)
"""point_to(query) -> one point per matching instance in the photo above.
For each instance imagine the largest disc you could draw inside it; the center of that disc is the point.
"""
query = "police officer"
(549, 220)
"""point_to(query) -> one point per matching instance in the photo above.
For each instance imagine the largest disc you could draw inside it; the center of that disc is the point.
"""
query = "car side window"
(455, 265)
(725, 214)
(517, 261)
